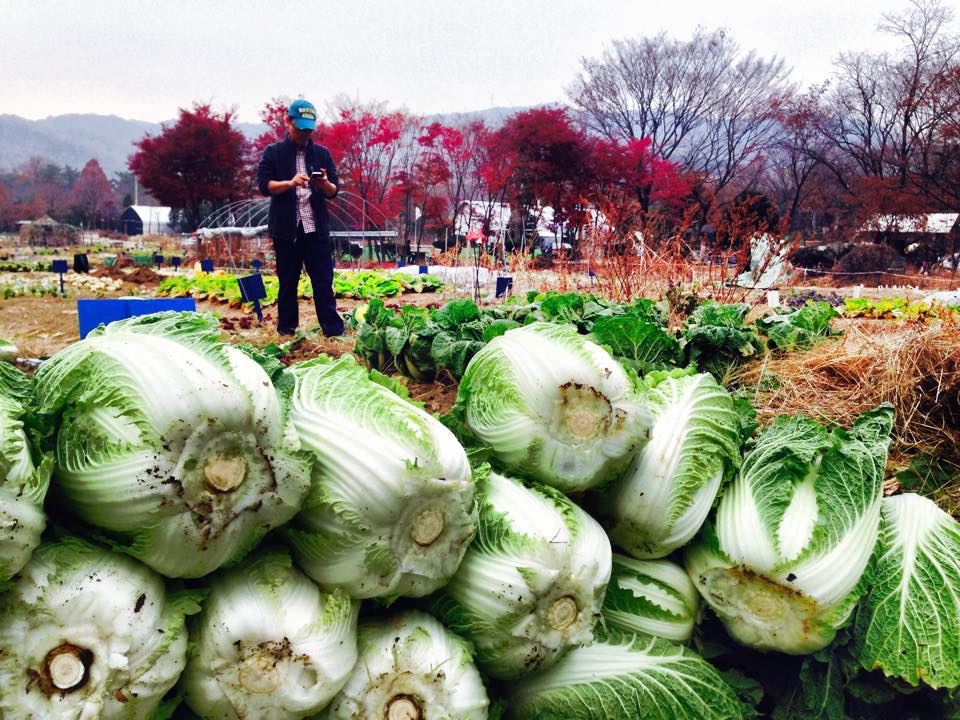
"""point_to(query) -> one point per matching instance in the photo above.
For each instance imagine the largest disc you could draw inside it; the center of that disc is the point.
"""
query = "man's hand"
(299, 180)
(322, 183)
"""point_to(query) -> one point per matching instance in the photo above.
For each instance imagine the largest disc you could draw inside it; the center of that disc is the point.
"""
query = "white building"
(145, 220)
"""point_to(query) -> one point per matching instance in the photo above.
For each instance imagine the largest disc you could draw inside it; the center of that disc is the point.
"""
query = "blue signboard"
(253, 291)
(206, 265)
(100, 312)
(503, 285)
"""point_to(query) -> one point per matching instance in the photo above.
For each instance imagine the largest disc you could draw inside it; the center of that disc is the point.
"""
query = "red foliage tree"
(539, 158)
(368, 145)
(634, 190)
(93, 198)
(197, 164)
(274, 116)
(633, 166)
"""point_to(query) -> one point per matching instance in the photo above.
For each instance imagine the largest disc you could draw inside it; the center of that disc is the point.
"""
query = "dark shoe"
(286, 331)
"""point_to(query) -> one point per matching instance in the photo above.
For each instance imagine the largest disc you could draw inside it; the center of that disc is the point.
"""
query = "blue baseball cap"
(303, 115)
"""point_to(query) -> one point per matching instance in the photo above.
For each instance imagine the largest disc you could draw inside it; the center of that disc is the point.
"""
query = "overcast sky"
(145, 59)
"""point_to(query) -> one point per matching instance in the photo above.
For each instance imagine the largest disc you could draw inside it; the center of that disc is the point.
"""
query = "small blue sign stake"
(252, 290)
(60, 267)
(175, 261)
(206, 266)
(503, 285)
(400, 263)
(256, 264)
(423, 269)
(157, 260)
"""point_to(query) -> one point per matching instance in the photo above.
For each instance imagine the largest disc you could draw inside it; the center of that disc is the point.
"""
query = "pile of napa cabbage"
(188, 526)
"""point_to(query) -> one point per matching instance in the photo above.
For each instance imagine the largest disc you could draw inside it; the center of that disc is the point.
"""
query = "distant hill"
(492, 117)
(74, 139)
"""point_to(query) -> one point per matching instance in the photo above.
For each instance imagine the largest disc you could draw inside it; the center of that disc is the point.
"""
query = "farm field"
(843, 411)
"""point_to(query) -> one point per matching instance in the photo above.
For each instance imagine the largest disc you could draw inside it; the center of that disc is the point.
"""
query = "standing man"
(299, 176)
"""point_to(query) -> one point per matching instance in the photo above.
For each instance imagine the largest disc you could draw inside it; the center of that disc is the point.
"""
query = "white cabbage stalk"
(654, 597)
(269, 644)
(23, 482)
(531, 585)
(665, 496)
(173, 441)
(88, 633)
(625, 676)
(794, 533)
(391, 509)
(554, 405)
(908, 622)
(411, 668)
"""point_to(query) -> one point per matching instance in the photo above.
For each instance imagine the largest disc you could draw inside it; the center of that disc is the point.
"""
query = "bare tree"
(887, 109)
(703, 104)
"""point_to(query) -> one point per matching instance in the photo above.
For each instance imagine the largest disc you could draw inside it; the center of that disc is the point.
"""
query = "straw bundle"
(915, 366)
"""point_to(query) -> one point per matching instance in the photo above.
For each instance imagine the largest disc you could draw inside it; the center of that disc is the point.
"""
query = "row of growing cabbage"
(421, 343)
(226, 537)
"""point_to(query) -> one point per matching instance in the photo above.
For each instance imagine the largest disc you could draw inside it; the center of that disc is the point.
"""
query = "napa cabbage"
(411, 668)
(908, 622)
(553, 405)
(666, 494)
(24, 476)
(654, 597)
(174, 442)
(391, 509)
(531, 585)
(625, 675)
(269, 644)
(89, 633)
(793, 533)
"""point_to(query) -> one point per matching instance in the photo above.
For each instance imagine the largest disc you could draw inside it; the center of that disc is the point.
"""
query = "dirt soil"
(42, 326)
(39, 326)
(140, 276)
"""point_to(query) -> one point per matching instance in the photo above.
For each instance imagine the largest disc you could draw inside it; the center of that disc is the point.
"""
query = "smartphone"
(317, 174)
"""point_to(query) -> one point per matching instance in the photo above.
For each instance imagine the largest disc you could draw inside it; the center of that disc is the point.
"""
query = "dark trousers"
(316, 255)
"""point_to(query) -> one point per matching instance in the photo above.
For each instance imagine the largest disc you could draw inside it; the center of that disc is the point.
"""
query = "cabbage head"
(88, 633)
(908, 622)
(391, 509)
(411, 668)
(23, 477)
(794, 532)
(625, 675)
(653, 597)
(269, 644)
(532, 583)
(666, 495)
(553, 405)
(172, 441)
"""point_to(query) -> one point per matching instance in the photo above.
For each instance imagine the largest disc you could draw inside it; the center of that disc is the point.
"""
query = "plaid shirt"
(304, 211)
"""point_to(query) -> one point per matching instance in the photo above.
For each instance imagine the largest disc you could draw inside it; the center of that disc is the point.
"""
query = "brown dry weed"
(913, 365)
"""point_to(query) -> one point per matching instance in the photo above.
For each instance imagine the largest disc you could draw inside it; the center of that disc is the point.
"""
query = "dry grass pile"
(914, 366)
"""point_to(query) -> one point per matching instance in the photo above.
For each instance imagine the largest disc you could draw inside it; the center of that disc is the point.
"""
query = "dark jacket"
(279, 162)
